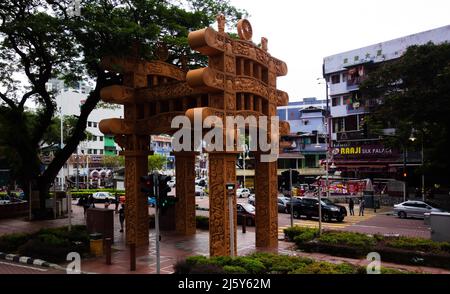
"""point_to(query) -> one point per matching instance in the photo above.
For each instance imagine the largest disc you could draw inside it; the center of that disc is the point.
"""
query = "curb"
(29, 261)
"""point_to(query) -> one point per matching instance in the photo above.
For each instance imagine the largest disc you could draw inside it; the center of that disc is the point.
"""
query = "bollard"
(244, 224)
(132, 257)
(108, 250)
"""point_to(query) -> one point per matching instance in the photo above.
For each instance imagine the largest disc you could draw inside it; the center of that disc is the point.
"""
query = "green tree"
(415, 95)
(42, 39)
(113, 161)
(156, 162)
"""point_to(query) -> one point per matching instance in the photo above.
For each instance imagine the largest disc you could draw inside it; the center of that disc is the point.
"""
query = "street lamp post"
(413, 138)
(62, 146)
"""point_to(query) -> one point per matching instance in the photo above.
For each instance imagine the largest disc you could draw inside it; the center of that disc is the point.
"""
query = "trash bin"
(96, 244)
(426, 219)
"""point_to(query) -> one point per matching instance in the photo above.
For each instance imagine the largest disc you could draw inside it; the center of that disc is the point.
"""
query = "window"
(305, 122)
(94, 138)
(379, 52)
(94, 124)
(345, 60)
(310, 160)
(336, 79)
(336, 101)
(356, 58)
(89, 151)
(89, 124)
(101, 151)
(95, 151)
(101, 138)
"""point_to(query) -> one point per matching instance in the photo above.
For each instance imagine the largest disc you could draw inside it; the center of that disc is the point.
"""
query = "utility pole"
(62, 146)
(292, 197)
(78, 170)
(156, 188)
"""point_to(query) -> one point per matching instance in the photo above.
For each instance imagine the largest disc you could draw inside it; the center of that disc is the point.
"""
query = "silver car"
(413, 209)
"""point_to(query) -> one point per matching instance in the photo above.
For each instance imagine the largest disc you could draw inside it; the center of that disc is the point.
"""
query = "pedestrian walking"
(121, 216)
(85, 202)
(91, 201)
(117, 202)
(351, 205)
(107, 203)
(362, 205)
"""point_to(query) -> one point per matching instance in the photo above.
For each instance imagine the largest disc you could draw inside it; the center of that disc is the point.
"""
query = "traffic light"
(295, 177)
(147, 186)
(163, 200)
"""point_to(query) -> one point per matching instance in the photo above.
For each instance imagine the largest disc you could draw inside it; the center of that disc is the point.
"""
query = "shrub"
(253, 266)
(418, 244)
(281, 263)
(306, 236)
(326, 268)
(10, 243)
(230, 269)
(198, 259)
(202, 222)
(294, 231)
(348, 238)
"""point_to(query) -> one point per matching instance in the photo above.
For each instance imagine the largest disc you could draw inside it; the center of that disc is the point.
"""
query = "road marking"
(23, 266)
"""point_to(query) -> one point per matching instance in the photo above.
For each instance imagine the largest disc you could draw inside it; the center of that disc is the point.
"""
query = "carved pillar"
(222, 170)
(266, 204)
(185, 192)
(136, 207)
(136, 152)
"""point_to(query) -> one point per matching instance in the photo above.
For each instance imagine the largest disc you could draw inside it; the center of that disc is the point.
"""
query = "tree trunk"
(45, 180)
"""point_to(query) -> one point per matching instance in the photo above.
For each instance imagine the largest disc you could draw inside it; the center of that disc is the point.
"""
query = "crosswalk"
(314, 223)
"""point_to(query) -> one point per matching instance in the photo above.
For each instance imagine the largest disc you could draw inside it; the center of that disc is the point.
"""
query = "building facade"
(355, 152)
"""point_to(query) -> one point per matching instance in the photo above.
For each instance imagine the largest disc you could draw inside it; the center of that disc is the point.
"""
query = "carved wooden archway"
(240, 80)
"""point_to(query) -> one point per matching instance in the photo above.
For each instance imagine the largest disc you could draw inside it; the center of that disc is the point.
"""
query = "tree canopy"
(415, 99)
(156, 162)
(44, 39)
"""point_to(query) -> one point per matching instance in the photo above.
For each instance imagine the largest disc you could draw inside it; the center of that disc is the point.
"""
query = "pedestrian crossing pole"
(320, 211)
(292, 197)
(156, 192)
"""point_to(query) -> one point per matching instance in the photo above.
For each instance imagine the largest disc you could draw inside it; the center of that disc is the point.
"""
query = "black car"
(309, 207)
(245, 211)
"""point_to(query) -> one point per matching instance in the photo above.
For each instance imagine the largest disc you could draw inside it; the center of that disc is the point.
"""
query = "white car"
(242, 192)
(199, 191)
(4, 201)
(171, 183)
(102, 196)
(251, 199)
(413, 209)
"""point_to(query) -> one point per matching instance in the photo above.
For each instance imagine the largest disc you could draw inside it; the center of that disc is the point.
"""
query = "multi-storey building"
(356, 152)
(162, 145)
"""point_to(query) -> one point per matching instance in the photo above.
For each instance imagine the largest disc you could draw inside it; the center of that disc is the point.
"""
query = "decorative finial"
(161, 51)
(264, 43)
(245, 31)
(221, 23)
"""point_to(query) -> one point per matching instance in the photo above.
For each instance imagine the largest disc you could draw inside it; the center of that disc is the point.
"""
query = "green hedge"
(49, 244)
(418, 244)
(405, 250)
(202, 222)
(266, 263)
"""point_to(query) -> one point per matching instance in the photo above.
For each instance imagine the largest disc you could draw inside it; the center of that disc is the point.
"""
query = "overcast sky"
(302, 33)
